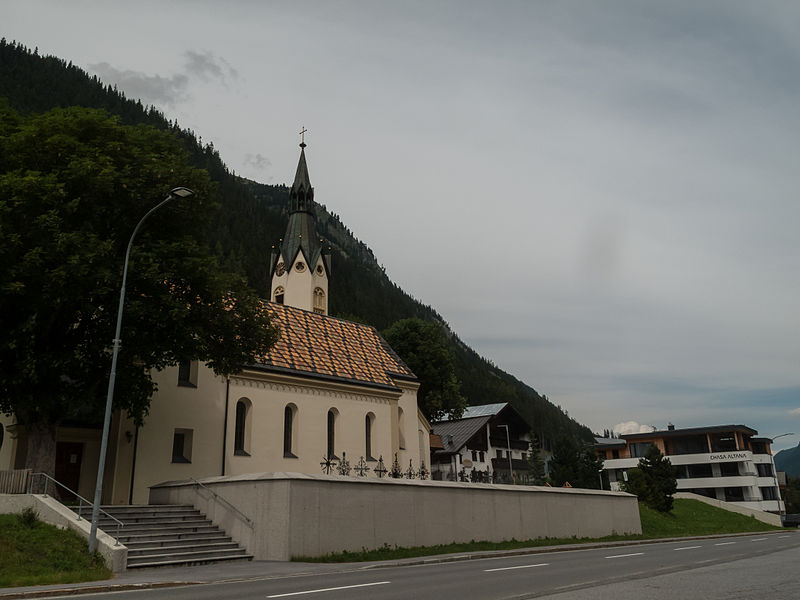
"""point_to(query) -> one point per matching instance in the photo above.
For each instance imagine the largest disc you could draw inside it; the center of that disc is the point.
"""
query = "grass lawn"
(688, 518)
(35, 553)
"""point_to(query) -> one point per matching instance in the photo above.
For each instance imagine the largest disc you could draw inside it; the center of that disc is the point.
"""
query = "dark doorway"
(68, 467)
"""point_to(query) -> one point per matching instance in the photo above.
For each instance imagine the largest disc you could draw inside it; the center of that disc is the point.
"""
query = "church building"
(328, 389)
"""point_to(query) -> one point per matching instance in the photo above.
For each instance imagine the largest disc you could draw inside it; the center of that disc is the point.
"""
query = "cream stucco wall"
(202, 410)
(8, 446)
(299, 285)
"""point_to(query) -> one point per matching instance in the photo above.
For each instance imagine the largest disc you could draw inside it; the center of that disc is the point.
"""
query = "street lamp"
(178, 192)
(775, 474)
(508, 445)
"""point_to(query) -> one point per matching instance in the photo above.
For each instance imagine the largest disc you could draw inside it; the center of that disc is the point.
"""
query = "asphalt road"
(720, 565)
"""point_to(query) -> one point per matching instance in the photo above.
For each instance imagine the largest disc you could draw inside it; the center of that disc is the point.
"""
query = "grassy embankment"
(688, 518)
(35, 553)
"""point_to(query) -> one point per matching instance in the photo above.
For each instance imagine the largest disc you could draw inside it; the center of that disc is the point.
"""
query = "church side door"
(68, 467)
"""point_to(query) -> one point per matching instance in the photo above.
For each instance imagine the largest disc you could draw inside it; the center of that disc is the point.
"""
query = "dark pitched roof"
(325, 347)
(461, 430)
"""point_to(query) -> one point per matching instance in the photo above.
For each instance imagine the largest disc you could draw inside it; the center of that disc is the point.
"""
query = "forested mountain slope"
(254, 217)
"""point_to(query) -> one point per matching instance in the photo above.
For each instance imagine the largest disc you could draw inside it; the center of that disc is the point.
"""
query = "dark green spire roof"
(301, 232)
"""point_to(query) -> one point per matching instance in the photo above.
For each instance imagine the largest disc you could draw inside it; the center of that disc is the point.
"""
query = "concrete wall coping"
(760, 515)
(52, 511)
(283, 476)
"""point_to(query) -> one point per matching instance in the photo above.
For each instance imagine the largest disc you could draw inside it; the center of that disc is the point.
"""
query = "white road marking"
(780, 537)
(758, 540)
(687, 548)
(724, 543)
(519, 567)
(624, 555)
(333, 589)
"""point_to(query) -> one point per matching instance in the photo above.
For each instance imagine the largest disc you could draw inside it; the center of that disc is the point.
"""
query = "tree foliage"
(536, 463)
(653, 481)
(73, 184)
(576, 463)
(423, 347)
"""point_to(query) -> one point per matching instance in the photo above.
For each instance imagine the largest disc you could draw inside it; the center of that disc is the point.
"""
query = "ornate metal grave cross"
(327, 465)
(380, 470)
(344, 465)
(361, 467)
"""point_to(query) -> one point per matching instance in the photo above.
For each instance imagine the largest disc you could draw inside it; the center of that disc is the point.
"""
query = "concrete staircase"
(167, 535)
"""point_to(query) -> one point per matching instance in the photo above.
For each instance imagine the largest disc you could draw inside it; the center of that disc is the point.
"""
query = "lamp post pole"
(508, 445)
(179, 192)
(775, 474)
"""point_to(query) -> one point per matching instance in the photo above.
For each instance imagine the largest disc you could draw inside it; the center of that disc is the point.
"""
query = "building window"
(759, 447)
(639, 449)
(289, 427)
(768, 493)
(701, 470)
(499, 453)
(764, 470)
(182, 446)
(332, 414)
(400, 435)
(187, 373)
(279, 293)
(482, 456)
(730, 469)
(369, 421)
(615, 454)
(241, 433)
(723, 442)
(319, 301)
(474, 456)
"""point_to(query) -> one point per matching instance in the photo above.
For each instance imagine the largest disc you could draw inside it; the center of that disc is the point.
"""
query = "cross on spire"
(303, 137)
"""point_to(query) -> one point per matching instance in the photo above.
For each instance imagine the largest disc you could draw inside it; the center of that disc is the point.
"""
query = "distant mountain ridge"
(254, 217)
(789, 461)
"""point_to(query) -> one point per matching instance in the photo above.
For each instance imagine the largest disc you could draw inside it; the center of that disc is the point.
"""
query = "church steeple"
(299, 269)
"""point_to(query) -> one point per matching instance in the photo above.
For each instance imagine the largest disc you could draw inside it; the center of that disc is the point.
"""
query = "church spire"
(299, 270)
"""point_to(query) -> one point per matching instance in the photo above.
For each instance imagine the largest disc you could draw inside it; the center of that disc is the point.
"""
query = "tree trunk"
(41, 455)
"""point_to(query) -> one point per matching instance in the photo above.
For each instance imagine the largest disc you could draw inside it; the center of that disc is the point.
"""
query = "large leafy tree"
(424, 348)
(73, 184)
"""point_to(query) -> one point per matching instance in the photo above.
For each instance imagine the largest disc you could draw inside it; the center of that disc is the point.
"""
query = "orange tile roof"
(331, 348)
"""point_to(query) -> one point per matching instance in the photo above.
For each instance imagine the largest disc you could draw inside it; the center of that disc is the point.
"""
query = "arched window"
(401, 438)
(241, 436)
(279, 293)
(289, 424)
(369, 421)
(319, 301)
(332, 414)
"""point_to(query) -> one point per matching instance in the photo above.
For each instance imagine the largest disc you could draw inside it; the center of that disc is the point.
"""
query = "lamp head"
(181, 192)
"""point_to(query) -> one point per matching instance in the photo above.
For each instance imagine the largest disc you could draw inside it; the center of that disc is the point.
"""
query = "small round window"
(320, 270)
(300, 266)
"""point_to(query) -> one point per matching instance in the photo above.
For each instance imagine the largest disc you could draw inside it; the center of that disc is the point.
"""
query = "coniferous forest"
(254, 216)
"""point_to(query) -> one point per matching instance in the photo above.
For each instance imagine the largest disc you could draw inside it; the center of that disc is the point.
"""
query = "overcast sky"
(600, 197)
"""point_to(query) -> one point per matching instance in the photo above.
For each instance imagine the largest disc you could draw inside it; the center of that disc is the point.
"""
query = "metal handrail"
(218, 497)
(81, 499)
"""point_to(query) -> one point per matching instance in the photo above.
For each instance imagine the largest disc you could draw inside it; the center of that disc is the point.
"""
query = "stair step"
(160, 550)
(166, 535)
(170, 541)
(198, 561)
(187, 556)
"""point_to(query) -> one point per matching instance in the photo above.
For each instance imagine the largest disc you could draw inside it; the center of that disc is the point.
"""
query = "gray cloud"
(152, 89)
(208, 67)
(257, 161)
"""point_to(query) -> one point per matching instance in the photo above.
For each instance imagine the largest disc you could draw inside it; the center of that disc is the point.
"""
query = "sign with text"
(729, 456)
